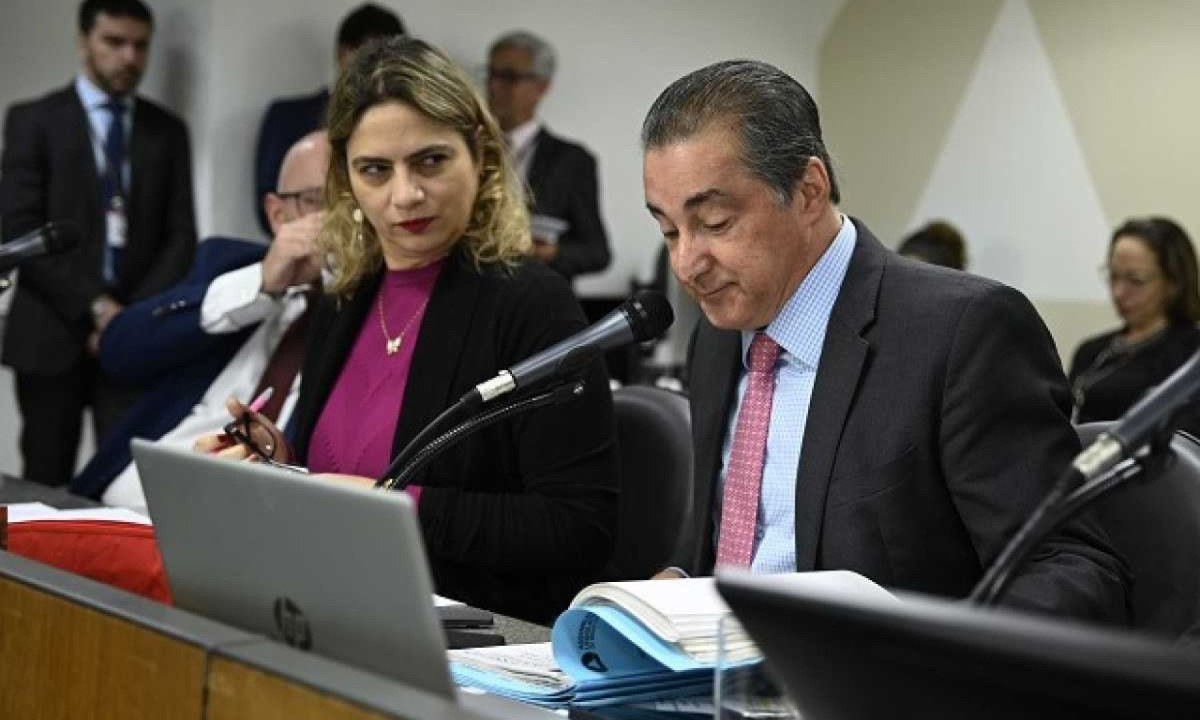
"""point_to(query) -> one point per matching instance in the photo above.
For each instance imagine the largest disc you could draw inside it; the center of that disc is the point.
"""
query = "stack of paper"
(630, 642)
(35, 511)
(682, 613)
(618, 643)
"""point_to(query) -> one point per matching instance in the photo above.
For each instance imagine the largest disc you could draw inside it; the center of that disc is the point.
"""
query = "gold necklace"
(393, 343)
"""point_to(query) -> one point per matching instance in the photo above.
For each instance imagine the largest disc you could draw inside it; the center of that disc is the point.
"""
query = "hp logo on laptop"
(291, 623)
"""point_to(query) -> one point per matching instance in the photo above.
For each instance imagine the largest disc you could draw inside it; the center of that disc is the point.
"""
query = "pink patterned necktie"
(743, 476)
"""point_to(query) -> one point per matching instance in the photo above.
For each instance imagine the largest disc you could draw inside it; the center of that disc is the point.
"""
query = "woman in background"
(431, 293)
(1151, 274)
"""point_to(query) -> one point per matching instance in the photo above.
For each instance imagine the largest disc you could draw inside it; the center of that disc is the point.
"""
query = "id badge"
(115, 225)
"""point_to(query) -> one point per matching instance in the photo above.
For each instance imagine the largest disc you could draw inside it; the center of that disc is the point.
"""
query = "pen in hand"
(256, 405)
(261, 401)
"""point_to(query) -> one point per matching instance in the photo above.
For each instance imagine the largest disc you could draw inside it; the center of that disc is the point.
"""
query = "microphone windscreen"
(649, 315)
(61, 235)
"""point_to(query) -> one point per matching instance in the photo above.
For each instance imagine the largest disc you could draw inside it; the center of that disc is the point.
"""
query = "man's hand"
(544, 251)
(104, 309)
(668, 574)
(293, 258)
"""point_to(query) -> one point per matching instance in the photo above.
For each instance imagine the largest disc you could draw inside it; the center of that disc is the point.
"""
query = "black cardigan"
(520, 516)
(1106, 381)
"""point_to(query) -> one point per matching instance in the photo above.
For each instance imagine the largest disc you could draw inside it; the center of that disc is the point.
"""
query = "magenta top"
(356, 428)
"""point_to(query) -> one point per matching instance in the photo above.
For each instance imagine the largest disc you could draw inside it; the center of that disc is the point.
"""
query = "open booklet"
(626, 642)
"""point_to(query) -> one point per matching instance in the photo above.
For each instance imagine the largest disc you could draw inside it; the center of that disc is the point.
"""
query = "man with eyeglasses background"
(561, 176)
(234, 327)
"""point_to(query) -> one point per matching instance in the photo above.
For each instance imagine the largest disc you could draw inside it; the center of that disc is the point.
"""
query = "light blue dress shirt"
(99, 120)
(799, 328)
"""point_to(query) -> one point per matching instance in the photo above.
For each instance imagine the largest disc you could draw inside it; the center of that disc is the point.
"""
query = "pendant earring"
(357, 215)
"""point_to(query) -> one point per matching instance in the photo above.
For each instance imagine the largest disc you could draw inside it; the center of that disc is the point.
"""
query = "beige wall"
(1035, 125)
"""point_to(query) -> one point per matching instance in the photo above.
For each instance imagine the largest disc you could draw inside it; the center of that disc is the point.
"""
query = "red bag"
(121, 554)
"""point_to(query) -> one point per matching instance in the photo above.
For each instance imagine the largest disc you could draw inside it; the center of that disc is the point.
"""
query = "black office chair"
(654, 437)
(1155, 525)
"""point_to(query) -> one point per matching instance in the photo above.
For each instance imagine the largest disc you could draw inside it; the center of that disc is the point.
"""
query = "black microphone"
(1149, 419)
(642, 317)
(49, 239)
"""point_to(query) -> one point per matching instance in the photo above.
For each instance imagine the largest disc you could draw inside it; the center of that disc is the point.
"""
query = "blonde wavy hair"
(406, 70)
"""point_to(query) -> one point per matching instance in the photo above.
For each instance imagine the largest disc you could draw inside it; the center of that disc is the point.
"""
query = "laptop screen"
(324, 566)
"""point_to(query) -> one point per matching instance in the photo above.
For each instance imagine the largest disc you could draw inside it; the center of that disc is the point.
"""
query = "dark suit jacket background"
(563, 184)
(518, 517)
(939, 418)
(1112, 388)
(49, 173)
(286, 121)
(158, 343)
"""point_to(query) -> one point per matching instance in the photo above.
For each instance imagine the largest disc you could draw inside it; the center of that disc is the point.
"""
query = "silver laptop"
(324, 566)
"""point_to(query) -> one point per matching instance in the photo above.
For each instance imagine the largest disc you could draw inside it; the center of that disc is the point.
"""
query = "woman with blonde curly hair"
(427, 237)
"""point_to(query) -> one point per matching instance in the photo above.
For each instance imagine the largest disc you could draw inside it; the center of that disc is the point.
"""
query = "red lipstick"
(416, 227)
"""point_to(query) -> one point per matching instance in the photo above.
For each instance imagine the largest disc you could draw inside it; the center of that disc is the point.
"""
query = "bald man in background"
(234, 326)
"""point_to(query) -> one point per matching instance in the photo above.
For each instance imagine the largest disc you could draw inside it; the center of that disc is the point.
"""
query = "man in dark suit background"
(851, 409)
(568, 234)
(289, 119)
(119, 166)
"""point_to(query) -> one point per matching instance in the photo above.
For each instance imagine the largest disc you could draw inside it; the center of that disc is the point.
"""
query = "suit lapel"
(543, 156)
(842, 359)
(76, 125)
(139, 148)
(716, 371)
(439, 349)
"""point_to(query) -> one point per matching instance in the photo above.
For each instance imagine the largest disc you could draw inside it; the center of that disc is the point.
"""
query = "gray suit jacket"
(939, 418)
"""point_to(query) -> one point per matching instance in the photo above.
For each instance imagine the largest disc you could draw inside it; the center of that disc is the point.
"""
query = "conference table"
(72, 647)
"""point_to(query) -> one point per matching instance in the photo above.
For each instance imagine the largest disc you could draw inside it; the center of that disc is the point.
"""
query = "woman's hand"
(352, 479)
(250, 436)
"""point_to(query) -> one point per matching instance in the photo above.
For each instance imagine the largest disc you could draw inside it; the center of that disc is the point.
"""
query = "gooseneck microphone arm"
(464, 407)
(556, 395)
(1104, 464)
(1059, 505)
(996, 582)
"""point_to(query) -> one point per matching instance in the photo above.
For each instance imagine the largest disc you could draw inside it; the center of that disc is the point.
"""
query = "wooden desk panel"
(61, 659)
(241, 692)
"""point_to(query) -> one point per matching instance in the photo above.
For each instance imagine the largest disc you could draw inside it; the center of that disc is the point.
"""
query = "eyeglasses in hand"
(258, 439)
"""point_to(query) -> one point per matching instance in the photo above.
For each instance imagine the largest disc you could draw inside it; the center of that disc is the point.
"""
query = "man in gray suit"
(568, 234)
(851, 409)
